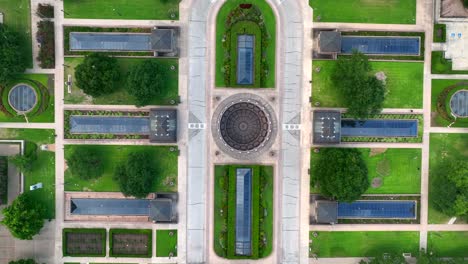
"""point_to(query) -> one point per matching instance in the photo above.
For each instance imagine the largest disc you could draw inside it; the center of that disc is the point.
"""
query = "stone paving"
(291, 149)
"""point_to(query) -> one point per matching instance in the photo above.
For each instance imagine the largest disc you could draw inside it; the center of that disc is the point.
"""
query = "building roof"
(161, 210)
(330, 42)
(327, 127)
(326, 212)
(163, 125)
(163, 40)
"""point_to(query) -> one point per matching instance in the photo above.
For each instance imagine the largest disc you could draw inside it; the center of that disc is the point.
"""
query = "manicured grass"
(48, 114)
(440, 65)
(270, 19)
(100, 231)
(448, 244)
(17, 16)
(120, 96)
(444, 147)
(404, 170)
(165, 163)
(363, 244)
(225, 202)
(365, 11)
(122, 9)
(404, 84)
(437, 87)
(149, 242)
(165, 243)
(43, 168)
(440, 33)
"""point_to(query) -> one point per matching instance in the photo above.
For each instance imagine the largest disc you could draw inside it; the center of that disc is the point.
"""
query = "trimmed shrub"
(45, 11)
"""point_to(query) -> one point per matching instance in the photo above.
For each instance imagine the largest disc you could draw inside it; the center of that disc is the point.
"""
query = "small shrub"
(45, 36)
(45, 11)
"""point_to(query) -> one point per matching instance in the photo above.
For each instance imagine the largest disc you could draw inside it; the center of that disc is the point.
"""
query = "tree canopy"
(24, 217)
(23, 162)
(136, 175)
(85, 163)
(341, 174)
(12, 60)
(23, 261)
(98, 74)
(450, 191)
(145, 81)
(362, 93)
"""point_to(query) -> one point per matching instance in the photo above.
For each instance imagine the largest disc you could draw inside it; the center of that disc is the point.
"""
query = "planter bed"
(131, 243)
(78, 242)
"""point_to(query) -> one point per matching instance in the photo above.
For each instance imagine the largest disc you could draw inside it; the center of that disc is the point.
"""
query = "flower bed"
(45, 36)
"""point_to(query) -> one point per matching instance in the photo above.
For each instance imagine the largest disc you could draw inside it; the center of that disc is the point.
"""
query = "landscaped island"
(243, 217)
(245, 45)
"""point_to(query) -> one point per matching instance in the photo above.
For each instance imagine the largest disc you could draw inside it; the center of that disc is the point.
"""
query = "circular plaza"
(244, 126)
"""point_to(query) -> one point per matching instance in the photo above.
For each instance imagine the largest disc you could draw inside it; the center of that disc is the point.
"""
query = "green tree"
(22, 162)
(23, 261)
(360, 91)
(341, 174)
(136, 175)
(12, 59)
(24, 217)
(85, 163)
(450, 186)
(145, 81)
(98, 74)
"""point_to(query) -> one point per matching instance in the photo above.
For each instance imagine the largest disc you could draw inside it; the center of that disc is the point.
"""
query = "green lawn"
(444, 147)
(221, 28)
(365, 11)
(437, 87)
(402, 165)
(404, 84)
(440, 33)
(43, 168)
(165, 163)
(440, 65)
(48, 114)
(448, 244)
(17, 16)
(122, 9)
(224, 205)
(121, 97)
(363, 244)
(165, 243)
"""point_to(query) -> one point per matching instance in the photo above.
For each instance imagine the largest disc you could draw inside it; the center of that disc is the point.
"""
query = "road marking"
(197, 125)
(291, 127)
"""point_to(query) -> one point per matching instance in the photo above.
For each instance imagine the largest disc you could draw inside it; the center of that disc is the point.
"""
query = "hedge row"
(3, 180)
